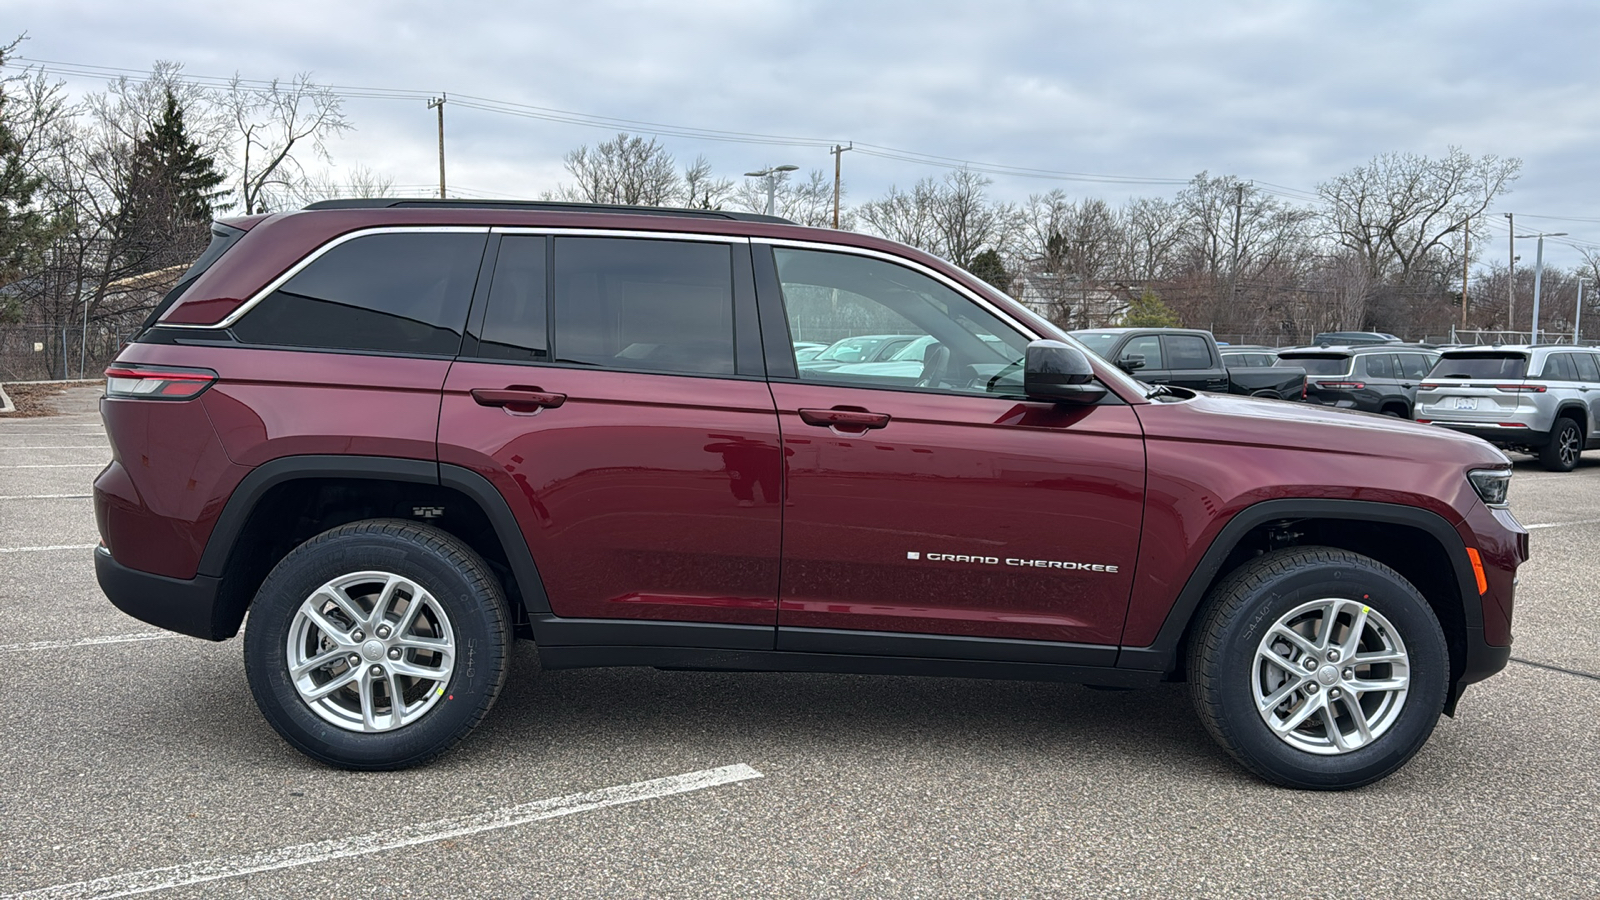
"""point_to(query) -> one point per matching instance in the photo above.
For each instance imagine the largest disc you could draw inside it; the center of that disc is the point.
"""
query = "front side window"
(399, 293)
(1587, 371)
(1149, 347)
(1414, 365)
(635, 303)
(891, 326)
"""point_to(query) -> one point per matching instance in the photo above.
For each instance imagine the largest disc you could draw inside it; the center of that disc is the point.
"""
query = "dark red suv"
(401, 433)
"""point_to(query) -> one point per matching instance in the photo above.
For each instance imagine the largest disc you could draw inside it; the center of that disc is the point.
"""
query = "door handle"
(844, 418)
(517, 399)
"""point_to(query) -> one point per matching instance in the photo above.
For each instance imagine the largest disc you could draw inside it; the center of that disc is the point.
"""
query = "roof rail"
(542, 205)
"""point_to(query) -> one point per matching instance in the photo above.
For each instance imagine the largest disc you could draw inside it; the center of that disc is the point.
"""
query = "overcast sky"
(1285, 93)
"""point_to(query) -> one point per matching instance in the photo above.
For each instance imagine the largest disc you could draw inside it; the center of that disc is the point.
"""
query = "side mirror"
(1059, 373)
(1131, 363)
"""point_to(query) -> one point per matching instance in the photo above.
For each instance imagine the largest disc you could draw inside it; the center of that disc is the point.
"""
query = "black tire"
(1223, 669)
(1399, 412)
(1566, 445)
(465, 597)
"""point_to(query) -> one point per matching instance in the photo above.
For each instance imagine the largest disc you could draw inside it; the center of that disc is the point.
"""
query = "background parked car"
(1488, 392)
(804, 350)
(1354, 338)
(1378, 378)
(861, 348)
(1188, 357)
(1247, 356)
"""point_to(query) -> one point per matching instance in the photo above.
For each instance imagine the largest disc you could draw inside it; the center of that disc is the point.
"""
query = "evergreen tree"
(1149, 312)
(171, 194)
(987, 265)
(23, 229)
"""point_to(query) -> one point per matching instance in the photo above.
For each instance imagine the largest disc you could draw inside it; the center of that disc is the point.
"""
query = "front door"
(931, 497)
(607, 392)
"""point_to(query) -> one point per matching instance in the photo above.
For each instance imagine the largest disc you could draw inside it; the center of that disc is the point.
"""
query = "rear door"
(613, 389)
(1189, 363)
(942, 503)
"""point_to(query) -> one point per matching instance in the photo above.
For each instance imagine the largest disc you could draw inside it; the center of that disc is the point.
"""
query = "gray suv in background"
(1377, 378)
(1537, 399)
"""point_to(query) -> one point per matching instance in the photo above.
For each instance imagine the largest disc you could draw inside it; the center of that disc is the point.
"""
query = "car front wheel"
(1318, 668)
(377, 645)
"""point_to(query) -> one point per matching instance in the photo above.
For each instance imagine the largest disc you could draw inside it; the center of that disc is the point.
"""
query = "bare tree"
(626, 169)
(272, 126)
(701, 189)
(952, 218)
(1403, 212)
(362, 181)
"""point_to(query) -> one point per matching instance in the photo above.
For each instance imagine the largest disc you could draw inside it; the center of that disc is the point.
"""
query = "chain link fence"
(45, 352)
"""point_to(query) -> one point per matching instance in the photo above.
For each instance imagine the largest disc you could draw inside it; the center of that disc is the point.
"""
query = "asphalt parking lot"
(136, 762)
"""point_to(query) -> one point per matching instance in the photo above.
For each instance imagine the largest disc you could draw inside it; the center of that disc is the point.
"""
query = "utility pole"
(837, 152)
(438, 103)
(1233, 272)
(1466, 254)
(1511, 271)
(1577, 315)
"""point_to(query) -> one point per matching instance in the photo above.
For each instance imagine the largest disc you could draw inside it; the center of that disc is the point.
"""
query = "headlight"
(1491, 484)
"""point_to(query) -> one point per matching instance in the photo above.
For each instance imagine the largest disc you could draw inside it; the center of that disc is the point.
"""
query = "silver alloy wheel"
(1569, 448)
(1330, 676)
(371, 651)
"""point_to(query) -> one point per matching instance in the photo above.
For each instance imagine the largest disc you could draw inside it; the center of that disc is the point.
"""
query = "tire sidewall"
(1393, 598)
(480, 650)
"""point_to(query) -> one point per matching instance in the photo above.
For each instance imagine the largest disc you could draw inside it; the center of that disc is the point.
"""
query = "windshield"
(1326, 364)
(1481, 365)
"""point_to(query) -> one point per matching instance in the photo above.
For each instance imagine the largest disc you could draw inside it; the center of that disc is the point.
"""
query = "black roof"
(542, 205)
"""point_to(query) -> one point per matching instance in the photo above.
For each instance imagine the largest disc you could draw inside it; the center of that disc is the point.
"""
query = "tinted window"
(1587, 371)
(626, 303)
(950, 343)
(1414, 365)
(1324, 364)
(1379, 365)
(1485, 364)
(514, 323)
(1187, 351)
(1247, 360)
(389, 293)
(1559, 367)
(1148, 346)
(1098, 341)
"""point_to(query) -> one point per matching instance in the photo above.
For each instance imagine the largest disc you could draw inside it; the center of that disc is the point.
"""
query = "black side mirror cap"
(1059, 373)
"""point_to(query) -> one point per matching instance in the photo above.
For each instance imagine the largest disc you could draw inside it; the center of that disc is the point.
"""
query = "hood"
(1227, 418)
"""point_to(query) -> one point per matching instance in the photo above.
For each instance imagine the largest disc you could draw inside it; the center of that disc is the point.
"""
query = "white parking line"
(60, 466)
(405, 836)
(47, 497)
(135, 637)
(1561, 524)
(49, 547)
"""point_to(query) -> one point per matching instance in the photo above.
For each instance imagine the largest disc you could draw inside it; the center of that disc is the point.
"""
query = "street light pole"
(771, 175)
(1538, 275)
(1577, 314)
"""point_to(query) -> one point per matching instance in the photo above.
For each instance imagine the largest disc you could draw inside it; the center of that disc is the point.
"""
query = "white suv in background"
(1541, 399)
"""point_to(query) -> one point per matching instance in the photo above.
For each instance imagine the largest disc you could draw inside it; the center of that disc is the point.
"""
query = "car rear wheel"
(1566, 445)
(377, 645)
(1318, 668)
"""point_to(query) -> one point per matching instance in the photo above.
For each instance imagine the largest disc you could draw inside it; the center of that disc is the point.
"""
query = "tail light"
(1341, 385)
(1520, 388)
(133, 382)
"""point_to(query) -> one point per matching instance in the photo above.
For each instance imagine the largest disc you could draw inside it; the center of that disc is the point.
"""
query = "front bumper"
(187, 606)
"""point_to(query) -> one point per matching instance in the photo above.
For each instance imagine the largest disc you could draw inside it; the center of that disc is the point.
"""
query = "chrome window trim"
(958, 287)
(623, 233)
(315, 255)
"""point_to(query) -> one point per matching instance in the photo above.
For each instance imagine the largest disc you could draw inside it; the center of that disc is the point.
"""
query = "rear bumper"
(187, 606)
(1498, 435)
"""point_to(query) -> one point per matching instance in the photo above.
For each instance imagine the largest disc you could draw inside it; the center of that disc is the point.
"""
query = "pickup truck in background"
(1188, 357)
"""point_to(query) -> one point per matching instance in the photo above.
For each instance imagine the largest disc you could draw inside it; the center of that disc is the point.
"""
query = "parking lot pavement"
(138, 764)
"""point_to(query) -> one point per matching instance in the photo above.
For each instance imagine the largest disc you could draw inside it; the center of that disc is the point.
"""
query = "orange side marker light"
(1477, 570)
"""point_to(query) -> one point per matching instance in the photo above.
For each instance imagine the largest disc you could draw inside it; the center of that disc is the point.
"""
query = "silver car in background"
(1541, 399)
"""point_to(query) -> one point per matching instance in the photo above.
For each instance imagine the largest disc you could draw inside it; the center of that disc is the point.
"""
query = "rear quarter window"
(395, 293)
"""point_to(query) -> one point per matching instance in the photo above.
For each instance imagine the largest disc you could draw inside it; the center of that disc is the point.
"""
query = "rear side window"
(1481, 365)
(1325, 364)
(631, 303)
(514, 322)
(1379, 365)
(397, 293)
(1187, 351)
